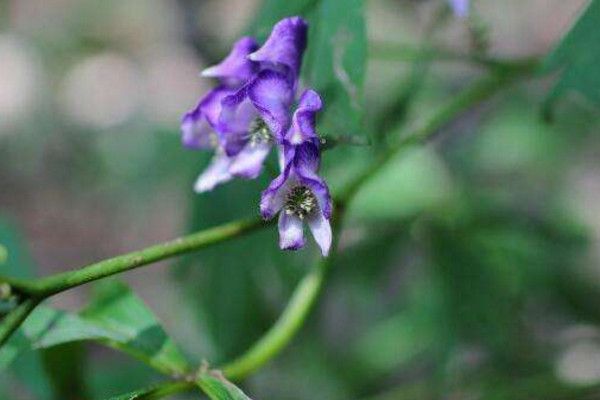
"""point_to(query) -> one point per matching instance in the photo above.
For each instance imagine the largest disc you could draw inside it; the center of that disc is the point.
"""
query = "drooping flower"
(460, 7)
(254, 119)
(198, 126)
(249, 112)
(298, 194)
(284, 48)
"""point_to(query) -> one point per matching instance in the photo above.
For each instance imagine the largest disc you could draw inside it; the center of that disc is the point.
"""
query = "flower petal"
(234, 120)
(303, 121)
(272, 95)
(285, 46)
(305, 166)
(249, 162)
(307, 158)
(197, 125)
(291, 235)
(321, 231)
(321, 191)
(216, 173)
(273, 197)
(236, 68)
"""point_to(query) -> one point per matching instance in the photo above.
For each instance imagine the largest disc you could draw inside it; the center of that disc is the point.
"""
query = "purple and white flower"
(249, 111)
(253, 119)
(284, 48)
(298, 194)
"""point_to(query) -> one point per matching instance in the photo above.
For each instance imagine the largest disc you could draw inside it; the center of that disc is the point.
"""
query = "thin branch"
(45, 287)
(63, 281)
(15, 318)
(292, 318)
(476, 93)
(388, 51)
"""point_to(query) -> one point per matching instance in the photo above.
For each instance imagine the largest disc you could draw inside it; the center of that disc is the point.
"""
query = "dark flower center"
(259, 132)
(300, 201)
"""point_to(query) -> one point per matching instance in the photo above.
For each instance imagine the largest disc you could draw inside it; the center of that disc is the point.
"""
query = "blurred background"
(469, 268)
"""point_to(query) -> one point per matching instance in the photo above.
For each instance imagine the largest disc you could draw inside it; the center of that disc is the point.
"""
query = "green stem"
(292, 318)
(477, 92)
(53, 284)
(15, 318)
(387, 51)
(282, 332)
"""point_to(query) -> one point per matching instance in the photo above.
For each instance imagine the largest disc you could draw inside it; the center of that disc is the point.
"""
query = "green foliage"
(116, 318)
(272, 11)
(414, 182)
(217, 387)
(227, 283)
(335, 60)
(64, 365)
(578, 55)
(27, 365)
(335, 63)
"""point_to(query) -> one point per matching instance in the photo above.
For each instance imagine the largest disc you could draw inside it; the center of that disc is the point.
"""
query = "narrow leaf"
(116, 318)
(578, 55)
(217, 387)
(336, 62)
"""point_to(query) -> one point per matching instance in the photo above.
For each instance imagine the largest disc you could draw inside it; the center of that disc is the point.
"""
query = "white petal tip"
(209, 72)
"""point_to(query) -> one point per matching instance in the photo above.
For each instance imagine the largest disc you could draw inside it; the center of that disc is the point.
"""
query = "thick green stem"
(15, 318)
(282, 332)
(292, 318)
(60, 282)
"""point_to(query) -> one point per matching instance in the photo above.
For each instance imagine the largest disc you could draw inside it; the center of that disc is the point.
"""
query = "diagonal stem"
(53, 284)
(15, 318)
(474, 94)
(35, 291)
(292, 319)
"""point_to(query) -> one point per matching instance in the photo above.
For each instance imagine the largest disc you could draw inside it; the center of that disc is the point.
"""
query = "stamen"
(300, 201)
(259, 132)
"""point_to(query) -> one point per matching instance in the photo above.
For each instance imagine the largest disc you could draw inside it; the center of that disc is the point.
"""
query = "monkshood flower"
(460, 7)
(284, 48)
(248, 112)
(298, 194)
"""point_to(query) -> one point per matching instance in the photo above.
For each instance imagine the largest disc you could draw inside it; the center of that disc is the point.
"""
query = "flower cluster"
(251, 112)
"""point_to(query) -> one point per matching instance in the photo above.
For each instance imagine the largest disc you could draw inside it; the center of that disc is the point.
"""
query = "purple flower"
(303, 121)
(284, 48)
(298, 194)
(253, 119)
(249, 111)
(198, 125)
(460, 7)
(235, 69)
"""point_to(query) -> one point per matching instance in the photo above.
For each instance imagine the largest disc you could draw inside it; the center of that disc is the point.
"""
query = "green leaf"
(64, 365)
(578, 55)
(335, 63)
(217, 387)
(272, 11)
(26, 365)
(116, 318)
(415, 181)
(226, 284)
(154, 392)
